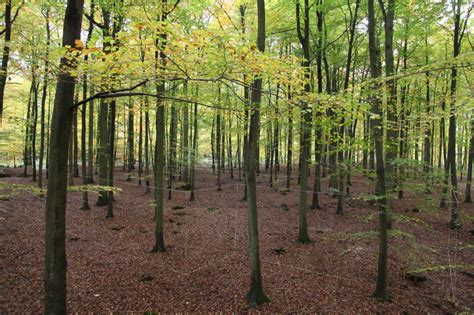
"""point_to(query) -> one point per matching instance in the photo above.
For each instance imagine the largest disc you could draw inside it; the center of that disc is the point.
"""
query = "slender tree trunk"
(110, 177)
(90, 144)
(130, 141)
(391, 133)
(147, 150)
(35, 123)
(306, 125)
(213, 142)
(71, 150)
(43, 101)
(85, 197)
(469, 164)
(5, 54)
(381, 289)
(26, 148)
(140, 144)
(160, 59)
(454, 222)
(289, 148)
(255, 296)
(185, 142)
(102, 151)
(218, 145)
(318, 127)
(194, 153)
(172, 148)
(76, 146)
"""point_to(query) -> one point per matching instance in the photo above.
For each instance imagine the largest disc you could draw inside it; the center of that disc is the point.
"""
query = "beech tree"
(61, 123)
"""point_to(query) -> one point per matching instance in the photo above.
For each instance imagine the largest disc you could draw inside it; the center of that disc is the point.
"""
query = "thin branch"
(108, 94)
(93, 21)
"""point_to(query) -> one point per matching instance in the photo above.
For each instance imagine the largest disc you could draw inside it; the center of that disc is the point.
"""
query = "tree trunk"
(90, 144)
(85, 197)
(194, 153)
(55, 218)
(160, 59)
(381, 289)
(185, 141)
(172, 148)
(140, 144)
(110, 177)
(255, 296)
(102, 151)
(218, 145)
(469, 164)
(76, 146)
(306, 125)
(147, 150)
(391, 133)
(35, 123)
(6, 54)
(454, 222)
(43, 101)
(130, 141)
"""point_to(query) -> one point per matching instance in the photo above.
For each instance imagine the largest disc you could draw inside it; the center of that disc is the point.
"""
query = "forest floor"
(206, 267)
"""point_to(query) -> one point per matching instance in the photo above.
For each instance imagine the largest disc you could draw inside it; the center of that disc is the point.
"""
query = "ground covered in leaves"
(206, 268)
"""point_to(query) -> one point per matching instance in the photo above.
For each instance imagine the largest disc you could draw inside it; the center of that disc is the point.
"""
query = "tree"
(306, 125)
(388, 13)
(160, 59)
(9, 19)
(381, 289)
(255, 296)
(55, 218)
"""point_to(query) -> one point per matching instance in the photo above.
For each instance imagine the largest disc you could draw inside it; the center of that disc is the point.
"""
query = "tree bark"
(55, 217)
(306, 124)
(381, 289)
(255, 296)
(43, 101)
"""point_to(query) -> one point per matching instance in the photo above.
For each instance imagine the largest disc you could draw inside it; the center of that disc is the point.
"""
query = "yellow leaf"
(78, 43)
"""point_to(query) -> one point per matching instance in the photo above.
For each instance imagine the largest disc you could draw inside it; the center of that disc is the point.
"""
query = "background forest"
(326, 146)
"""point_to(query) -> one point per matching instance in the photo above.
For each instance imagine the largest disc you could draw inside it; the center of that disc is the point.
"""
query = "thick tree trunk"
(55, 218)
(159, 168)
